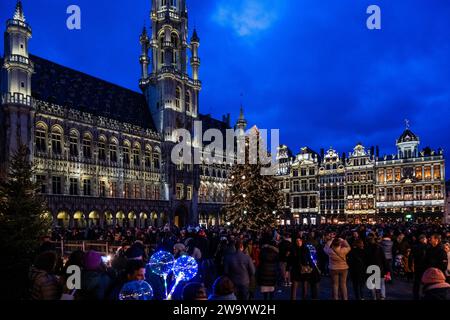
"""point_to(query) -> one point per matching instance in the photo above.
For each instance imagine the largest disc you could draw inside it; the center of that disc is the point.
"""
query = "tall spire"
(242, 123)
(18, 14)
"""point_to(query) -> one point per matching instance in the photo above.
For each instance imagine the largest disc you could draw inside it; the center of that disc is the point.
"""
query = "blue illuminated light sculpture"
(184, 269)
(161, 264)
(136, 290)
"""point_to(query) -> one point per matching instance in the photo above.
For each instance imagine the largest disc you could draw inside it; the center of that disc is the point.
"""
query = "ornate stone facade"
(365, 187)
(103, 152)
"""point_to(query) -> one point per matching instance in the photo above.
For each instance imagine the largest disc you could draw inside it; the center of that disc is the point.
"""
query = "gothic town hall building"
(102, 152)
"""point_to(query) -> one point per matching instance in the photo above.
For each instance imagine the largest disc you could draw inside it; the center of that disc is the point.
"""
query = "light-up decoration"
(313, 253)
(185, 269)
(136, 290)
(161, 264)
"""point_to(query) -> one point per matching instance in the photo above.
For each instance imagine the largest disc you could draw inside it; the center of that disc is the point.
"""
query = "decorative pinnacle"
(18, 14)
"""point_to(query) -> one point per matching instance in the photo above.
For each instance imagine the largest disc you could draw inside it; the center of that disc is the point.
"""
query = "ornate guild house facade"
(366, 187)
(102, 152)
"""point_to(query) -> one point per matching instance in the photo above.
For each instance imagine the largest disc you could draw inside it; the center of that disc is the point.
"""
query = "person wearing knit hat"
(435, 287)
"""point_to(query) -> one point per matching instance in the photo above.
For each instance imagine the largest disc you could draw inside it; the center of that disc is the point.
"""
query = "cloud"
(246, 17)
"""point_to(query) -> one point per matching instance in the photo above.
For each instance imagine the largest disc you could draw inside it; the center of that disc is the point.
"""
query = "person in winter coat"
(240, 268)
(434, 285)
(95, 282)
(356, 260)
(436, 257)
(337, 250)
(44, 284)
(387, 247)
(268, 270)
(419, 253)
(304, 272)
(375, 257)
(285, 248)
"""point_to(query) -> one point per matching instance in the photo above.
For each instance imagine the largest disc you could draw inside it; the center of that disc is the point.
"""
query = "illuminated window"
(364, 204)
(437, 192)
(427, 171)
(428, 193)
(398, 175)
(382, 194)
(419, 173)
(381, 176)
(408, 193)
(437, 172)
(389, 175)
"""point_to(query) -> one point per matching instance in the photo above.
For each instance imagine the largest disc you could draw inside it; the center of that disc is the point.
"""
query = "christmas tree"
(22, 223)
(255, 197)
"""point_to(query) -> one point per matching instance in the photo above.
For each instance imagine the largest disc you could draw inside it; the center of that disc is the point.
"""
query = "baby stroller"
(399, 267)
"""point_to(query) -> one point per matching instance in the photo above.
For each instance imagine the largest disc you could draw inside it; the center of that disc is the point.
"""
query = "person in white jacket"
(337, 250)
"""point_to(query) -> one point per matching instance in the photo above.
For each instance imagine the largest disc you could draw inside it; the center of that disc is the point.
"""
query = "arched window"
(87, 146)
(102, 149)
(136, 155)
(113, 151)
(178, 98)
(57, 140)
(188, 102)
(126, 153)
(156, 160)
(73, 143)
(41, 138)
(148, 157)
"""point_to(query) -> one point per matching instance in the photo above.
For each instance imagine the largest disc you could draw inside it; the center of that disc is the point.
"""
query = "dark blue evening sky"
(308, 67)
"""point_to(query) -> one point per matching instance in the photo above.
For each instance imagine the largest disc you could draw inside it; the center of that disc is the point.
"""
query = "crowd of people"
(246, 265)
